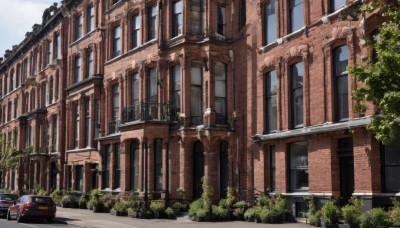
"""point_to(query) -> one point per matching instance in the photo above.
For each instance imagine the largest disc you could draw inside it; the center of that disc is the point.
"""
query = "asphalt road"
(30, 224)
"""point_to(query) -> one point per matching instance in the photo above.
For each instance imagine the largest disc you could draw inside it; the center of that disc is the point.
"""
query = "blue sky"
(17, 17)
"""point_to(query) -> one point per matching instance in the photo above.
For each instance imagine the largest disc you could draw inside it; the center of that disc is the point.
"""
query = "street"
(30, 224)
(67, 218)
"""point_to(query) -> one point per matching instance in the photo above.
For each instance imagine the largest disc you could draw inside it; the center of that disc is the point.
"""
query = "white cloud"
(17, 18)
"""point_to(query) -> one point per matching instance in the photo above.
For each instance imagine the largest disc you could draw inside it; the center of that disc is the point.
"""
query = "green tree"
(7, 158)
(381, 77)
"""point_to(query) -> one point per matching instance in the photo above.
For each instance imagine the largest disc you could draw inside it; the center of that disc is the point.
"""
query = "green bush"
(83, 198)
(169, 211)
(250, 213)
(281, 205)
(241, 204)
(57, 196)
(373, 218)
(120, 206)
(231, 197)
(67, 199)
(201, 213)
(220, 211)
(94, 198)
(265, 214)
(329, 211)
(207, 194)
(313, 219)
(264, 201)
(42, 192)
(194, 207)
(394, 216)
(178, 205)
(108, 200)
(157, 206)
(351, 214)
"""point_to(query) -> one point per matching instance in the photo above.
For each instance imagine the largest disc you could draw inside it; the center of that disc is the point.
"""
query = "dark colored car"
(6, 201)
(29, 206)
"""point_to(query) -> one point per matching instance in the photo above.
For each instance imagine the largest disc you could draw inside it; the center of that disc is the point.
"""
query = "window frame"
(136, 31)
(293, 90)
(77, 69)
(176, 89)
(78, 27)
(336, 83)
(221, 19)
(152, 22)
(89, 64)
(221, 118)
(90, 18)
(293, 16)
(199, 119)
(76, 124)
(117, 41)
(266, 27)
(269, 97)
(290, 152)
(177, 19)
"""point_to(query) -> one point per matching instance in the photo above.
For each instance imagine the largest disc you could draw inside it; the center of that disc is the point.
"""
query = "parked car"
(6, 200)
(29, 206)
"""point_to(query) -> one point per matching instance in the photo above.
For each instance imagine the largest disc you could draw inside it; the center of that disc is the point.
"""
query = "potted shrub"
(194, 207)
(146, 214)
(57, 196)
(177, 207)
(276, 216)
(265, 215)
(119, 209)
(108, 200)
(351, 215)
(83, 201)
(131, 213)
(329, 212)
(257, 213)
(281, 208)
(315, 219)
(170, 213)
(250, 214)
(95, 201)
(157, 207)
(219, 213)
(379, 217)
(201, 215)
(66, 201)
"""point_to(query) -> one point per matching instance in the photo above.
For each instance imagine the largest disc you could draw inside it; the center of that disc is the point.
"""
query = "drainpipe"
(252, 173)
(167, 177)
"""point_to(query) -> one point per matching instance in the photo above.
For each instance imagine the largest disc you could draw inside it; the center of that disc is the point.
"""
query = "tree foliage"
(381, 77)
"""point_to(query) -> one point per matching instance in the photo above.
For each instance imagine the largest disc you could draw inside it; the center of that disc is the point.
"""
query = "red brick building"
(150, 96)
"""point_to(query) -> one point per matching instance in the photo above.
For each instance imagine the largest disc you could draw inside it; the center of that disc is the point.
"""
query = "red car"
(6, 201)
(29, 206)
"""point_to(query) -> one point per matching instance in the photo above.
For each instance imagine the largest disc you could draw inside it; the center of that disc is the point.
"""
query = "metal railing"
(221, 119)
(146, 111)
(113, 127)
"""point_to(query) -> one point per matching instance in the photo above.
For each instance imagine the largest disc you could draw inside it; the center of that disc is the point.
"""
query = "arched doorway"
(134, 165)
(223, 169)
(198, 168)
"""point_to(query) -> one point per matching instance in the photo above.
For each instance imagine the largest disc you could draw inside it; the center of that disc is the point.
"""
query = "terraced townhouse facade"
(151, 96)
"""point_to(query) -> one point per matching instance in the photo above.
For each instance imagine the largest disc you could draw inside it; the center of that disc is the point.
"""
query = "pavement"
(88, 219)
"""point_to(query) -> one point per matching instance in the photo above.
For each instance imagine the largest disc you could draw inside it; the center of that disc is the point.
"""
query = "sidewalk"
(88, 219)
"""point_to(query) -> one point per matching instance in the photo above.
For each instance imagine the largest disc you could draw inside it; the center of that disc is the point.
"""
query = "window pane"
(392, 180)
(296, 15)
(337, 4)
(177, 18)
(153, 95)
(296, 72)
(135, 89)
(158, 165)
(392, 153)
(270, 22)
(298, 166)
(196, 9)
(176, 84)
(341, 60)
(342, 98)
(271, 82)
(221, 20)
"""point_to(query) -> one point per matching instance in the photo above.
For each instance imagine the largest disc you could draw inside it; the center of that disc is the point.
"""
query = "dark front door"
(223, 169)
(53, 178)
(345, 152)
(198, 169)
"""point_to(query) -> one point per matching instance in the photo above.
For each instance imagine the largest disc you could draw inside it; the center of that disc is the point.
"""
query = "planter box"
(118, 213)
(97, 208)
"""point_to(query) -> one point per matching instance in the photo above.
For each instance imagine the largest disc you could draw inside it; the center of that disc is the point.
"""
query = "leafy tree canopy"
(381, 77)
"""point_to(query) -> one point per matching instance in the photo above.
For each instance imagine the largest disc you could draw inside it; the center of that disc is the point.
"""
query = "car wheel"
(50, 220)
(8, 216)
(19, 217)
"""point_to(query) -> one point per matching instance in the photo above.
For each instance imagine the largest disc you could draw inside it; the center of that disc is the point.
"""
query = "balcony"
(113, 127)
(147, 111)
(221, 119)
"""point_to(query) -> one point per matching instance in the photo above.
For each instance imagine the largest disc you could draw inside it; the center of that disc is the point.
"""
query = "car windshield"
(8, 197)
(42, 200)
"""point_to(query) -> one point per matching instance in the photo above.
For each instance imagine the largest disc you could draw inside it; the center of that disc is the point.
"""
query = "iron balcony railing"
(113, 126)
(221, 119)
(146, 111)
